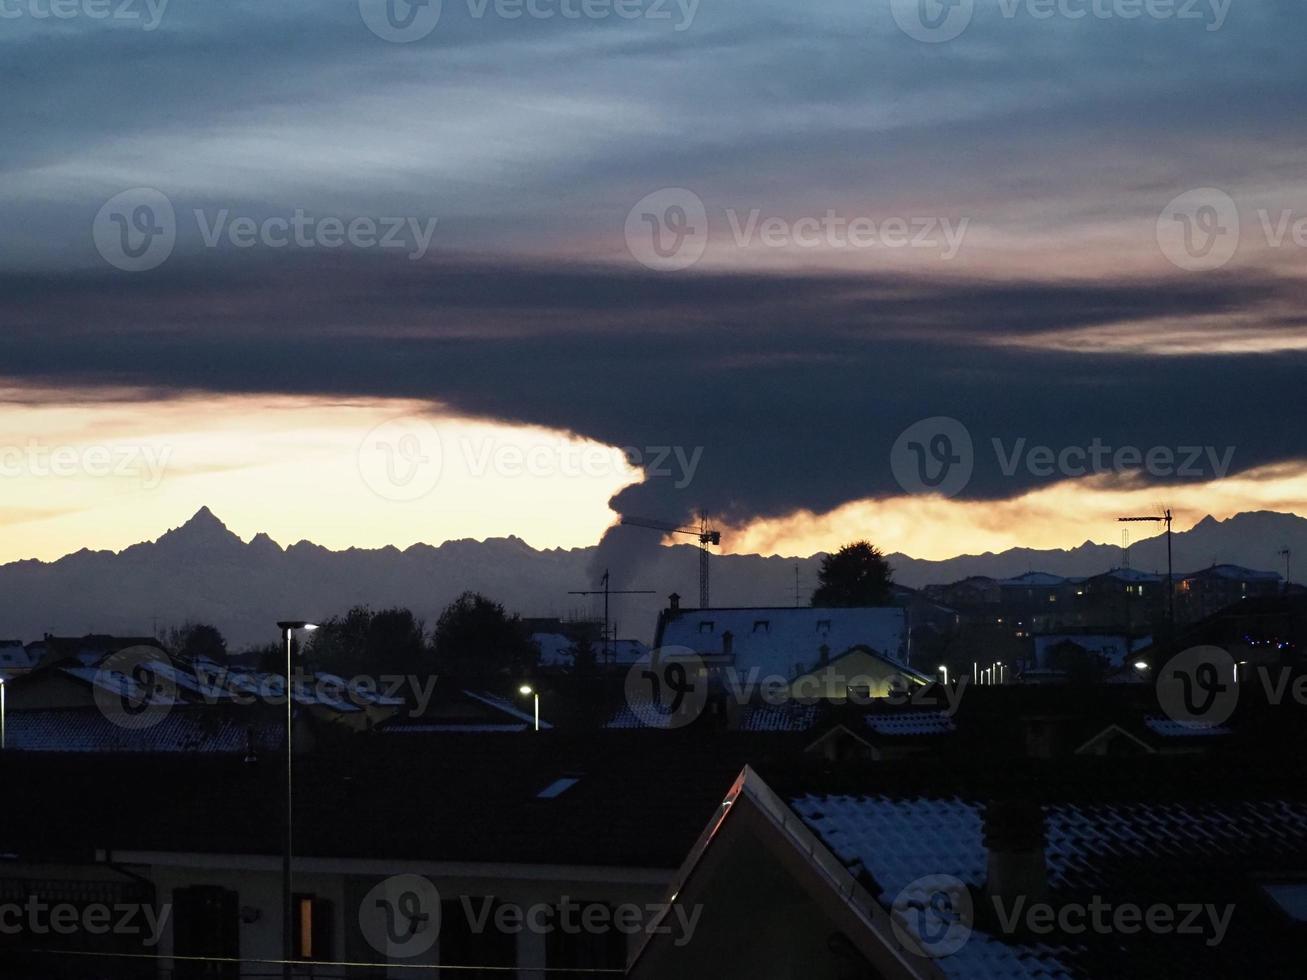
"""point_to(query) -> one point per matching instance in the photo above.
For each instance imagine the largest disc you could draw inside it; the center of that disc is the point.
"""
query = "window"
(470, 937)
(313, 928)
(761, 626)
(558, 787)
(707, 626)
(206, 929)
(823, 626)
(582, 950)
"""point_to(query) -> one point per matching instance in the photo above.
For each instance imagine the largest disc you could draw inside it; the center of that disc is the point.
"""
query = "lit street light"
(287, 910)
(526, 690)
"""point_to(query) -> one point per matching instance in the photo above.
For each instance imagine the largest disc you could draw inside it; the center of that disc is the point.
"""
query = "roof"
(556, 649)
(1116, 649)
(910, 723)
(1232, 572)
(640, 799)
(1032, 579)
(788, 717)
(1128, 575)
(192, 729)
(1135, 849)
(786, 641)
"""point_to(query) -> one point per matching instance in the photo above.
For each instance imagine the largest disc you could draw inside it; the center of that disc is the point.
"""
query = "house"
(14, 659)
(489, 839)
(1203, 593)
(782, 641)
(1086, 869)
(1113, 650)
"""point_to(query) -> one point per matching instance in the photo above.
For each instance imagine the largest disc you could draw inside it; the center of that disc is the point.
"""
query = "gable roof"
(786, 641)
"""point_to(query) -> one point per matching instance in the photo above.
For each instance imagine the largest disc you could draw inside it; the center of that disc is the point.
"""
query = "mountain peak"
(202, 530)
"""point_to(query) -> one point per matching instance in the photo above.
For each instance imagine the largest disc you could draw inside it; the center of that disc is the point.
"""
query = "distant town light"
(1140, 665)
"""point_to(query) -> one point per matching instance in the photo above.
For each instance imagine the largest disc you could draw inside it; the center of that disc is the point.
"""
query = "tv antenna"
(606, 592)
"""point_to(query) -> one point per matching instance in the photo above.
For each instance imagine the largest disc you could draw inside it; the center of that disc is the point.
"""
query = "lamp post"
(526, 690)
(944, 670)
(288, 628)
(2, 714)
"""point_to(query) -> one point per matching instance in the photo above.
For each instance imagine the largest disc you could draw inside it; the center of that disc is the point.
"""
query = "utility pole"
(1170, 571)
(1286, 554)
(606, 592)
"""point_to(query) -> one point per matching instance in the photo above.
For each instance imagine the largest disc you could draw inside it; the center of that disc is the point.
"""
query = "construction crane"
(706, 535)
(1170, 580)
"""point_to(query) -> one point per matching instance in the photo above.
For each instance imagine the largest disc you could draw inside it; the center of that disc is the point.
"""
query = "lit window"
(313, 922)
(706, 626)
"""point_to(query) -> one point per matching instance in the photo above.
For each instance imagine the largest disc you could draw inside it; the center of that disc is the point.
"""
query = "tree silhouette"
(363, 642)
(475, 638)
(856, 575)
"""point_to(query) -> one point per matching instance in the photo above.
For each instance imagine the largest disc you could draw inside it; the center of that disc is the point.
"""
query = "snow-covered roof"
(1170, 728)
(1234, 573)
(910, 723)
(506, 706)
(789, 717)
(787, 641)
(900, 841)
(556, 650)
(1130, 575)
(1032, 579)
(14, 655)
(1115, 649)
(184, 730)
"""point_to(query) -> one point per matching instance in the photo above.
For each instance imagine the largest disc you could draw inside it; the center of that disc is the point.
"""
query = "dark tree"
(195, 640)
(474, 637)
(856, 575)
(584, 655)
(367, 642)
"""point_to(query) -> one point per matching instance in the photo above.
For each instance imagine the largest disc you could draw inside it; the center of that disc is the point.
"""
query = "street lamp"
(2, 714)
(288, 628)
(526, 690)
(1141, 665)
(944, 669)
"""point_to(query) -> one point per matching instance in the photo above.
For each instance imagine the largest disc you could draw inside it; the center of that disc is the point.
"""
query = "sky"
(952, 277)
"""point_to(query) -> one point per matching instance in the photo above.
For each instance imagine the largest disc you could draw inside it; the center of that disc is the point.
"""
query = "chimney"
(728, 643)
(823, 655)
(1014, 836)
(674, 602)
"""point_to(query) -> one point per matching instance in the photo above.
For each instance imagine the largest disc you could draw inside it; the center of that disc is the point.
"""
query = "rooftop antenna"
(1170, 574)
(606, 592)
